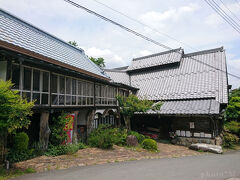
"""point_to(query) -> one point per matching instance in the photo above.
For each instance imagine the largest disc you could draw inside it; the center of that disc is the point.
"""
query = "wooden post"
(44, 130)
(75, 140)
(9, 70)
(127, 122)
(90, 118)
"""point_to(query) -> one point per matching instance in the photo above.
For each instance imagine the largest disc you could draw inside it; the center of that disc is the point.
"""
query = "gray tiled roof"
(191, 79)
(158, 59)
(17, 32)
(118, 76)
(187, 107)
(195, 85)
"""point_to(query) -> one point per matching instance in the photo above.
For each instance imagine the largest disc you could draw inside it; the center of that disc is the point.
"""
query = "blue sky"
(191, 22)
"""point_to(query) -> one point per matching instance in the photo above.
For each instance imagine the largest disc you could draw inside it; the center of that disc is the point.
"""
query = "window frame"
(21, 90)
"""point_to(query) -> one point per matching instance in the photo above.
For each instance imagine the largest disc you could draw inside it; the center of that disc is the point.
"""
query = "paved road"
(208, 166)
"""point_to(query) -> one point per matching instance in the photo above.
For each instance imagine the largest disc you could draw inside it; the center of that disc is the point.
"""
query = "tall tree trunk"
(44, 130)
(127, 122)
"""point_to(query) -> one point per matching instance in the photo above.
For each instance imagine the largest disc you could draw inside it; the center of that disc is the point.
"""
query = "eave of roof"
(157, 54)
(166, 58)
(21, 50)
(125, 86)
(204, 52)
(187, 107)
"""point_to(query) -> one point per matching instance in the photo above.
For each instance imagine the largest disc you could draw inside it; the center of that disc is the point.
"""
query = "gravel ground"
(92, 156)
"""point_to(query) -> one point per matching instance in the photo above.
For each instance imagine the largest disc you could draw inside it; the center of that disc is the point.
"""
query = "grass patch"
(11, 173)
(233, 147)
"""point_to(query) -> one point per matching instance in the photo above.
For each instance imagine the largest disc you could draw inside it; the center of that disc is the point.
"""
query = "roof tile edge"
(157, 54)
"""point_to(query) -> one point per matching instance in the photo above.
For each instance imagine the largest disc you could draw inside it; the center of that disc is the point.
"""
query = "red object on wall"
(69, 128)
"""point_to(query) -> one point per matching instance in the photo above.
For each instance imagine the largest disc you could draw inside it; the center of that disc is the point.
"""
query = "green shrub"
(17, 156)
(71, 148)
(38, 150)
(229, 139)
(64, 149)
(81, 146)
(120, 136)
(58, 134)
(139, 136)
(21, 142)
(56, 150)
(102, 137)
(233, 109)
(20, 151)
(150, 144)
(233, 127)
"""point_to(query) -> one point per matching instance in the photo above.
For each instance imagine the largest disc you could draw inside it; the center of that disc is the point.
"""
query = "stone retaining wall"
(187, 141)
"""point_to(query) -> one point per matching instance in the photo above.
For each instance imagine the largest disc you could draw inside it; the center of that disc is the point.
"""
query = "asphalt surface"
(209, 166)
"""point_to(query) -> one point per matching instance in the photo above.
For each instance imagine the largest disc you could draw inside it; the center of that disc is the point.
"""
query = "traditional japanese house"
(193, 90)
(58, 76)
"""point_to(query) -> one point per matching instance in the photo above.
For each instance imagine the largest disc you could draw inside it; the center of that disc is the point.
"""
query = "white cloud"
(213, 20)
(95, 52)
(145, 52)
(156, 18)
(234, 68)
(111, 59)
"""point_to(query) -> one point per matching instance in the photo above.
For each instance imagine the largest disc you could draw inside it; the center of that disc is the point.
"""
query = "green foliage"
(21, 141)
(81, 146)
(105, 136)
(56, 150)
(7, 174)
(150, 144)
(235, 93)
(64, 149)
(98, 61)
(71, 148)
(229, 139)
(29, 170)
(129, 105)
(233, 127)
(233, 109)
(102, 137)
(38, 150)
(17, 156)
(73, 43)
(157, 106)
(120, 136)
(139, 137)
(14, 110)
(20, 151)
(58, 135)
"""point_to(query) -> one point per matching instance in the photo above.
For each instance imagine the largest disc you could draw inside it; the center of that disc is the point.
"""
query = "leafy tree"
(234, 93)
(98, 61)
(131, 104)
(74, 43)
(14, 112)
(233, 108)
